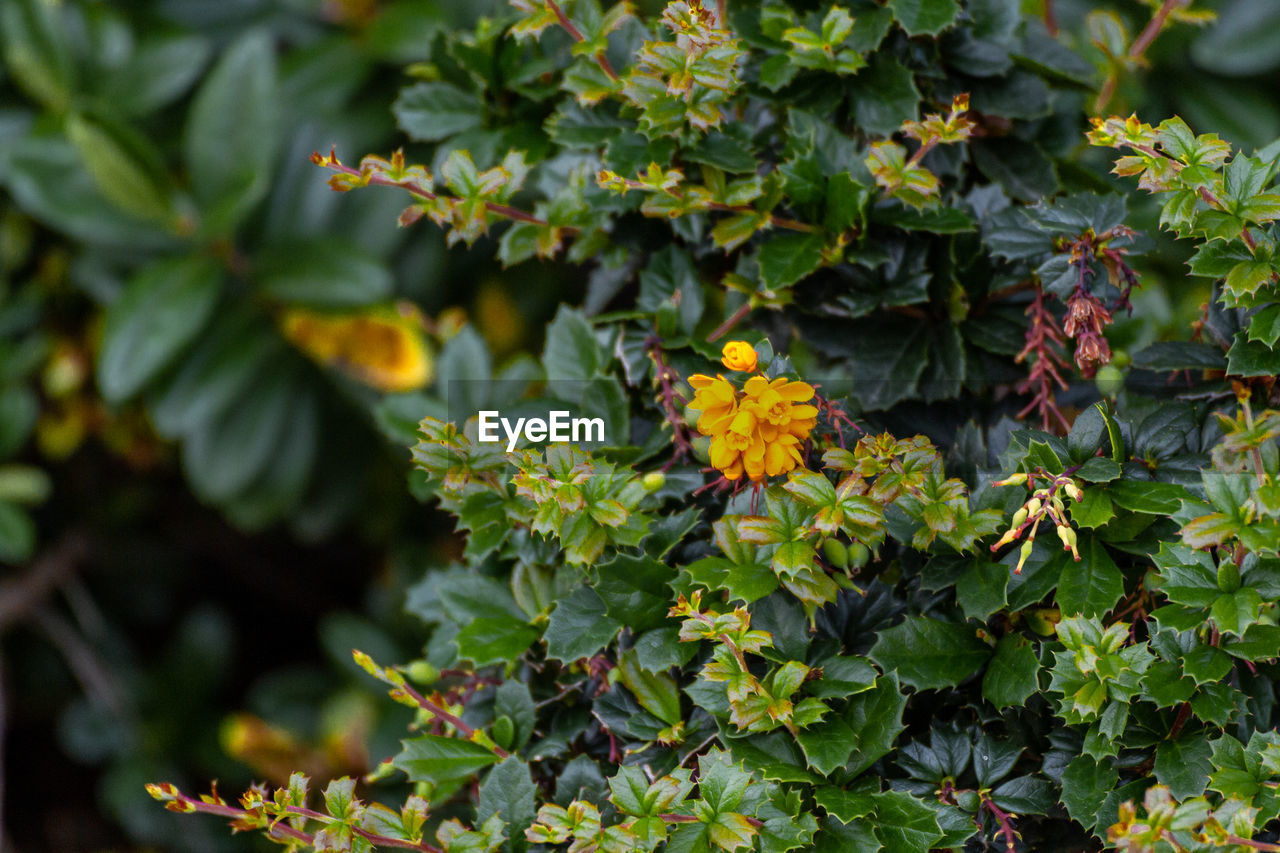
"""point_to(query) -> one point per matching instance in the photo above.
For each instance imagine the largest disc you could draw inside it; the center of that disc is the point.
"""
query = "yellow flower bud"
(739, 355)
(1012, 480)
(1023, 555)
(1033, 506)
(1073, 491)
(1019, 517)
(1068, 537)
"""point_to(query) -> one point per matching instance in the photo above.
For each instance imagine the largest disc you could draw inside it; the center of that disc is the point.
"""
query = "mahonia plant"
(774, 608)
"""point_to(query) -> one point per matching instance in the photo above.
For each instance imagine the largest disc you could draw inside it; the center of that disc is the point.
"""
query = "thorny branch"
(668, 398)
(514, 213)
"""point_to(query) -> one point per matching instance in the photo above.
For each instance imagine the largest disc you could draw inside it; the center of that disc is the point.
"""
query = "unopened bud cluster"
(1045, 502)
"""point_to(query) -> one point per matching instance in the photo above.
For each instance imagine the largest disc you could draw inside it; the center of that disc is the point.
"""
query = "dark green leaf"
(929, 654)
(163, 308)
(436, 110)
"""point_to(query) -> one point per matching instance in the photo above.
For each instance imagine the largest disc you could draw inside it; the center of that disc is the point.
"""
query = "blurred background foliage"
(209, 361)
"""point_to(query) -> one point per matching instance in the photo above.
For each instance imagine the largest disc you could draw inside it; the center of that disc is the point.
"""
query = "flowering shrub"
(770, 613)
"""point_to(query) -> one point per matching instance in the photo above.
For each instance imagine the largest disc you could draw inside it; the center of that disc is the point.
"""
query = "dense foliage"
(829, 647)
(859, 299)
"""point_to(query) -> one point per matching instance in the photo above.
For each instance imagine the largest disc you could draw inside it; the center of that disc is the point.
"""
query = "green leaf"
(19, 409)
(432, 111)
(571, 352)
(924, 17)
(1099, 470)
(162, 309)
(635, 591)
(787, 258)
(230, 354)
(233, 131)
(118, 174)
(440, 760)
(1024, 795)
(936, 220)
(1183, 765)
(222, 458)
(579, 626)
(1251, 358)
(655, 691)
(929, 654)
(1264, 326)
(1085, 784)
(37, 51)
(490, 641)
(845, 806)
(1147, 497)
(1180, 355)
(325, 272)
(905, 824)
(884, 95)
(17, 534)
(508, 792)
(875, 717)
(828, 745)
(513, 700)
(1012, 675)
(1024, 171)
(982, 588)
(1091, 586)
(1241, 42)
(162, 68)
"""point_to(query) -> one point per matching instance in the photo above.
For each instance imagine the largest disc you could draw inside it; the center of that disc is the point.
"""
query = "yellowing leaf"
(383, 347)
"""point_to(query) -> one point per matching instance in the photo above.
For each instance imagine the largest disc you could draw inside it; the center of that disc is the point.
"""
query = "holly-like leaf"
(929, 654)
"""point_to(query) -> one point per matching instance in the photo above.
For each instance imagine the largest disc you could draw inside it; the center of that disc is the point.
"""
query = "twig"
(721, 207)
(667, 396)
(21, 596)
(576, 35)
(1136, 50)
(734, 319)
(81, 657)
(426, 194)
(436, 711)
(1153, 28)
(1050, 19)
(182, 803)
(1005, 822)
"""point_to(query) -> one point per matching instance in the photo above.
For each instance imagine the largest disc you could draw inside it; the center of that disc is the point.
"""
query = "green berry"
(653, 481)
(422, 672)
(836, 553)
(1110, 380)
(859, 554)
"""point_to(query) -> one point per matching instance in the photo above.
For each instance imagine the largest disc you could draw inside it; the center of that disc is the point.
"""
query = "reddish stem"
(1005, 822)
(425, 194)
(436, 711)
(667, 396)
(734, 319)
(576, 35)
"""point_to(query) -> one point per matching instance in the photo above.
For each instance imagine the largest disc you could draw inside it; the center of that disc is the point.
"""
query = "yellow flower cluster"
(758, 430)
